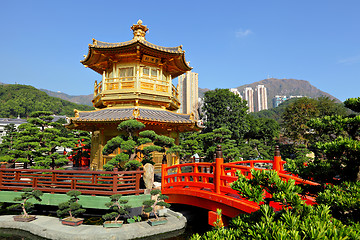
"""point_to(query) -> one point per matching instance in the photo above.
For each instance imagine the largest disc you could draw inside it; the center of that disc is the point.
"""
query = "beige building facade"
(261, 98)
(249, 97)
(188, 93)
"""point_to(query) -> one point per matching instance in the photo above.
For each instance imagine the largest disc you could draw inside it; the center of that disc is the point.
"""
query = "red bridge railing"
(217, 176)
(62, 181)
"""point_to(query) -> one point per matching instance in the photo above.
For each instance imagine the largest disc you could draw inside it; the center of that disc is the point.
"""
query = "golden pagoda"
(136, 84)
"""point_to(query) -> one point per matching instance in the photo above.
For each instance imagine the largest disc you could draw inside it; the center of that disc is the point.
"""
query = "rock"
(148, 175)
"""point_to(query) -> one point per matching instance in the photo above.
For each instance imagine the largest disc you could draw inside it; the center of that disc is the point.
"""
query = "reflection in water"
(16, 234)
(197, 221)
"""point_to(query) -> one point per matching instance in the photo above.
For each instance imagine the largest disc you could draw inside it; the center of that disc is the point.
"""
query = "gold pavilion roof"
(100, 44)
(100, 53)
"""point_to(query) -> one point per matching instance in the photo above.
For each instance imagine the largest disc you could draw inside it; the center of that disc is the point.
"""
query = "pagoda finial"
(139, 30)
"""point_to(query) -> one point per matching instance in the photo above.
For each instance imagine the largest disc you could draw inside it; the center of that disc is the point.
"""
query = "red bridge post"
(163, 171)
(2, 168)
(277, 160)
(217, 171)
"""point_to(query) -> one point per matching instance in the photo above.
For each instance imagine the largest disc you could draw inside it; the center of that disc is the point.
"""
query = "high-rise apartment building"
(188, 93)
(261, 98)
(235, 91)
(249, 97)
(277, 100)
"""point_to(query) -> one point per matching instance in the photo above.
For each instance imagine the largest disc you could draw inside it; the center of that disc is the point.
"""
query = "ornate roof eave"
(119, 115)
(94, 54)
(113, 47)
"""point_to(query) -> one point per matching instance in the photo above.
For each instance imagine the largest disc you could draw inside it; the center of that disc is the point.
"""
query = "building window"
(151, 72)
(146, 71)
(154, 73)
(126, 74)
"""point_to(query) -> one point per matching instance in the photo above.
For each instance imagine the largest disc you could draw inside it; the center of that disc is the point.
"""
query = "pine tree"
(130, 145)
(50, 140)
(7, 144)
(342, 149)
(26, 144)
(37, 141)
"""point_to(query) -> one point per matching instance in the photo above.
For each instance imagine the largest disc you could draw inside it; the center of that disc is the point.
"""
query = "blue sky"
(229, 43)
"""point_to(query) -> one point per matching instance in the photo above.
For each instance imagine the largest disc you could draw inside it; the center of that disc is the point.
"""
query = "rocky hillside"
(80, 99)
(287, 87)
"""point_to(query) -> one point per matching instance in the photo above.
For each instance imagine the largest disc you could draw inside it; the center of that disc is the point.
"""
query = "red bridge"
(207, 185)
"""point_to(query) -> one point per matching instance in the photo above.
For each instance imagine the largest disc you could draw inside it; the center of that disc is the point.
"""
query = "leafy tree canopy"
(225, 109)
(21, 100)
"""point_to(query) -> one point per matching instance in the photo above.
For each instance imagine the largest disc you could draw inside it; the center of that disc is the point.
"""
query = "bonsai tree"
(28, 193)
(132, 165)
(158, 200)
(130, 144)
(116, 205)
(71, 208)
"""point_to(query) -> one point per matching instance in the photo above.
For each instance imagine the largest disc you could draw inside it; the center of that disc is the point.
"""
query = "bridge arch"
(207, 185)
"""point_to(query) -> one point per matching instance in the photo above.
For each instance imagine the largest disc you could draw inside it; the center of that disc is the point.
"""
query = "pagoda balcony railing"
(130, 83)
(175, 92)
(97, 89)
(120, 83)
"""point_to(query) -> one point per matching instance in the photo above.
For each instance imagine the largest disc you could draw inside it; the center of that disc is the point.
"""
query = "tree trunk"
(23, 208)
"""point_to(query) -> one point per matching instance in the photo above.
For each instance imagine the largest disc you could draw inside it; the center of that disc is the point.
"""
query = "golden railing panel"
(161, 88)
(112, 86)
(148, 86)
(127, 85)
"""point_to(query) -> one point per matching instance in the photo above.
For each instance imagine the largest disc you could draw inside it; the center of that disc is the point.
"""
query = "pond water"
(197, 221)
(15, 234)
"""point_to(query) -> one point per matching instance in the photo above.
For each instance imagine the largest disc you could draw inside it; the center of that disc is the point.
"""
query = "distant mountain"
(80, 99)
(287, 87)
(20, 100)
(202, 91)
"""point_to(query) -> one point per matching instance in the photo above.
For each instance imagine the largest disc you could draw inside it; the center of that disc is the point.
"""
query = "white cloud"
(350, 60)
(243, 33)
